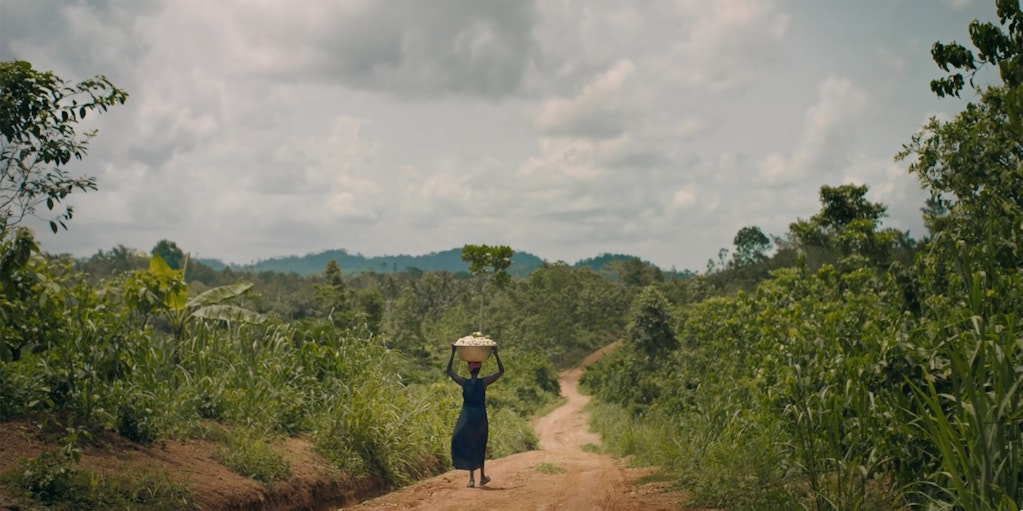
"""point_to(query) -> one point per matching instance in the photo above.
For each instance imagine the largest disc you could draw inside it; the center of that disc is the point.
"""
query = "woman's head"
(474, 367)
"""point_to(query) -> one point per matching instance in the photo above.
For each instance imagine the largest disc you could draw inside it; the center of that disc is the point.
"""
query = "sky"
(563, 128)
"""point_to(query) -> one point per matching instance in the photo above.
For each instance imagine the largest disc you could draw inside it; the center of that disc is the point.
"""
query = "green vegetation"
(41, 483)
(852, 369)
(155, 347)
(38, 116)
(251, 455)
(856, 369)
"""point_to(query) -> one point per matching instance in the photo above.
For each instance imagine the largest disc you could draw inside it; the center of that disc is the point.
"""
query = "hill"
(449, 260)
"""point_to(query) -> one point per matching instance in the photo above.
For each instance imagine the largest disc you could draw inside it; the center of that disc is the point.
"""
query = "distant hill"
(449, 260)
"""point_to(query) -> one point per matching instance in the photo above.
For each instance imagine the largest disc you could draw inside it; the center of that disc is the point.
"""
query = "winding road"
(561, 475)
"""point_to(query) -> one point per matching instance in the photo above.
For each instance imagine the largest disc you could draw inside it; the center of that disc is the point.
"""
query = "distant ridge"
(523, 263)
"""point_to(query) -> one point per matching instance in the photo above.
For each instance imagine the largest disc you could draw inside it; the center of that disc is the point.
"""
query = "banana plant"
(210, 305)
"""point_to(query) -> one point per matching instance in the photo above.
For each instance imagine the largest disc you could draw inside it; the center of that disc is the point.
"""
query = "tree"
(488, 263)
(847, 223)
(333, 294)
(751, 246)
(170, 253)
(38, 114)
(650, 330)
(635, 272)
(973, 164)
(1003, 49)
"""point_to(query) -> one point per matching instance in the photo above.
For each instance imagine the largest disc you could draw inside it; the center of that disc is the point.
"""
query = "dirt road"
(560, 476)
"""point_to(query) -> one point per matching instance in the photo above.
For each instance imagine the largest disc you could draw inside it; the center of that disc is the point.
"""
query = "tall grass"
(971, 405)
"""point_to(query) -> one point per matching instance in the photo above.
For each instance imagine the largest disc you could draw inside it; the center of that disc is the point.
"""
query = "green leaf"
(228, 313)
(220, 294)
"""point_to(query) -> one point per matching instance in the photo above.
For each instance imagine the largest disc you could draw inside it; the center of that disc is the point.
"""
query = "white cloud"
(728, 43)
(597, 111)
(564, 127)
(958, 4)
(684, 198)
(827, 138)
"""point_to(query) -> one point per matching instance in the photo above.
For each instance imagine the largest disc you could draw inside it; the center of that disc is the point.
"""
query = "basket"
(474, 348)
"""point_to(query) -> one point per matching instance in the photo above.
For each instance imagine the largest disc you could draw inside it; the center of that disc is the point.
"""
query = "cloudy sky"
(568, 129)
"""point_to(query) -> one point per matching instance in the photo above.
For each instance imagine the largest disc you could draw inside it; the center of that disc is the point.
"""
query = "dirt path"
(560, 476)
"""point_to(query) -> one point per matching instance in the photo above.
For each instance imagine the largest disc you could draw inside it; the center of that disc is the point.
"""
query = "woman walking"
(469, 441)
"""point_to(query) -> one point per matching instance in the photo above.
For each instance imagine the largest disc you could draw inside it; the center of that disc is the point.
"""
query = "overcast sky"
(568, 129)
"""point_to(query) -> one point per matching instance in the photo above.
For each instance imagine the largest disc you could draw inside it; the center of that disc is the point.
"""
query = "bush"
(136, 420)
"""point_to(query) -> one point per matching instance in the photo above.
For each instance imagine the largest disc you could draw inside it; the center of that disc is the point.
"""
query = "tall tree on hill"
(751, 246)
(333, 294)
(170, 253)
(635, 272)
(488, 263)
(650, 330)
(849, 224)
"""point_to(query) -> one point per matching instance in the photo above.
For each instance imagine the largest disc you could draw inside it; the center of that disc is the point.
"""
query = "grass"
(549, 468)
(49, 483)
(252, 456)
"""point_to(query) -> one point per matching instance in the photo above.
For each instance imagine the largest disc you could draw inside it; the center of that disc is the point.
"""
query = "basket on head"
(474, 348)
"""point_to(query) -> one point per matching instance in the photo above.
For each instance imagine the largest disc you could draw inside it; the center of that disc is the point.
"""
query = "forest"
(841, 365)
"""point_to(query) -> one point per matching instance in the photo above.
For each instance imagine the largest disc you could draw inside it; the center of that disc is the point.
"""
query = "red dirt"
(313, 485)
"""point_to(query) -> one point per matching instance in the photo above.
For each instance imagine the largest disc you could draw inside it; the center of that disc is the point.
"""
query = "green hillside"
(449, 260)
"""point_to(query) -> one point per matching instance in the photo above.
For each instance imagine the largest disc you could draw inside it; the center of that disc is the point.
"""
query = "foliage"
(995, 46)
(31, 296)
(249, 454)
(488, 263)
(839, 373)
(848, 224)
(38, 115)
(635, 272)
(650, 331)
(751, 246)
(47, 483)
(175, 258)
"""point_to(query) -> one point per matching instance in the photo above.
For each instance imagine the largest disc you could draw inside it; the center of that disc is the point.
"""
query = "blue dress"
(469, 441)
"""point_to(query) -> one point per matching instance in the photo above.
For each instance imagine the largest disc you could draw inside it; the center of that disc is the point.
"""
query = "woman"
(469, 441)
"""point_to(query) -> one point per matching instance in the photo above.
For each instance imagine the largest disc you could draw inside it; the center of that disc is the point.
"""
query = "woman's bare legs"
(483, 478)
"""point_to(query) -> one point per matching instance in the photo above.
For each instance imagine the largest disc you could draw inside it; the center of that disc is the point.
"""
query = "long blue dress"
(469, 441)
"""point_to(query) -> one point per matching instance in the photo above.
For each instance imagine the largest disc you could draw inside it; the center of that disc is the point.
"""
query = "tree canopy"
(38, 116)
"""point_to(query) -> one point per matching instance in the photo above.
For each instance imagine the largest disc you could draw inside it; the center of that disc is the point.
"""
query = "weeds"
(48, 482)
(250, 455)
(549, 468)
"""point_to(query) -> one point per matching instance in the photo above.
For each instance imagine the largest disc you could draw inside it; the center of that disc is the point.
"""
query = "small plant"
(48, 478)
(549, 468)
(249, 455)
(136, 421)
